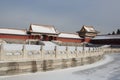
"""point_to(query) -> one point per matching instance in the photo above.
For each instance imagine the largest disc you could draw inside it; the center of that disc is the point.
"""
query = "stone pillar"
(67, 52)
(89, 52)
(83, 47)
(76, 51)
(83, 50)
(42, 53)
(1, 53)
(55, 49)
(89, 49)
(24, 52)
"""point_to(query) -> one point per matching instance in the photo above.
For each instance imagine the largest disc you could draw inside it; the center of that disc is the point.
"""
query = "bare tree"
(113, 33)
(118, 31)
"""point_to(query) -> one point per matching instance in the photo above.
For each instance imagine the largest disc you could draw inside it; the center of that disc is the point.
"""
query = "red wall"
(69, 40)
(34, 37)
(87, 39)
(46, 38)
(20, 37)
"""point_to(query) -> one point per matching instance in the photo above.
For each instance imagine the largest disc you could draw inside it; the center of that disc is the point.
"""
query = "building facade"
(13, 35)
(47, 33)
(69, 37)
(42, 32)
(106, 39)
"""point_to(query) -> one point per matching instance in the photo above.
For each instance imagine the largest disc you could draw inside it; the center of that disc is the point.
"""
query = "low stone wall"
(14, 68)
(26, 61)
(111, 50)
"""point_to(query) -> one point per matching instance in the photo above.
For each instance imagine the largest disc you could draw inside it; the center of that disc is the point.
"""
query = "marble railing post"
(76, 50)
(24, 52)
(67, 51)
(56, 51)
(1, 52)
(42, 53)
(89, 51)
(83, 50)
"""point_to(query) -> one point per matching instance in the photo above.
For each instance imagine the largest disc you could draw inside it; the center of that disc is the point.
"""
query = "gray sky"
(65, 15)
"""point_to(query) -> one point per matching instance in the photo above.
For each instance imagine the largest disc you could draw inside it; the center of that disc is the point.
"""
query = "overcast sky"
(65, 15)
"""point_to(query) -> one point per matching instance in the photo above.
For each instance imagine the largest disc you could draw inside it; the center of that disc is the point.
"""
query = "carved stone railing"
(25, 60)
(42, 54)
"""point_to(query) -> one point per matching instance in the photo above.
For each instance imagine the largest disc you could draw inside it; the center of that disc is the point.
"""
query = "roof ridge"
(68, 33)
(43, 28)
(15, 29)
(42, 25)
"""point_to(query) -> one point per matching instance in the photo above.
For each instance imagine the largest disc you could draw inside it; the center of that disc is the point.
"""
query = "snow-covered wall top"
(11, 47)
(107, 37)
(43, 29)
(12, 31)
(69, 35)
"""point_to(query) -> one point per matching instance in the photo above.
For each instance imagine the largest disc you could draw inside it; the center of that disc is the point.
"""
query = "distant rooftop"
(45, 29)
(87, 31)
(12, 31)
(69, 35)
(89, 28)
(107, 37)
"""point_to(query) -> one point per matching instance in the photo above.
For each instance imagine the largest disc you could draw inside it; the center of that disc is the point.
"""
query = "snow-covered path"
(109, 71)
(106, 69)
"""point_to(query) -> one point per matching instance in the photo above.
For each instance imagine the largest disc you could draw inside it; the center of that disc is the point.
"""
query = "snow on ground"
(110, 71)
(101, 70)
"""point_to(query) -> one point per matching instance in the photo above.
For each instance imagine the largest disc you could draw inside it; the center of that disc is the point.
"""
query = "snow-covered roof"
(89, 28)
(43, 29)
(12, 31)
(87, 31)
(107, 37)
(69, 35)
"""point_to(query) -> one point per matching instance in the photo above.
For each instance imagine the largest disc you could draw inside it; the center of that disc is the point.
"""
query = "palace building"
(46, 33)
(69, 37)
(87, 32)
(43, 32)
(37, 33)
